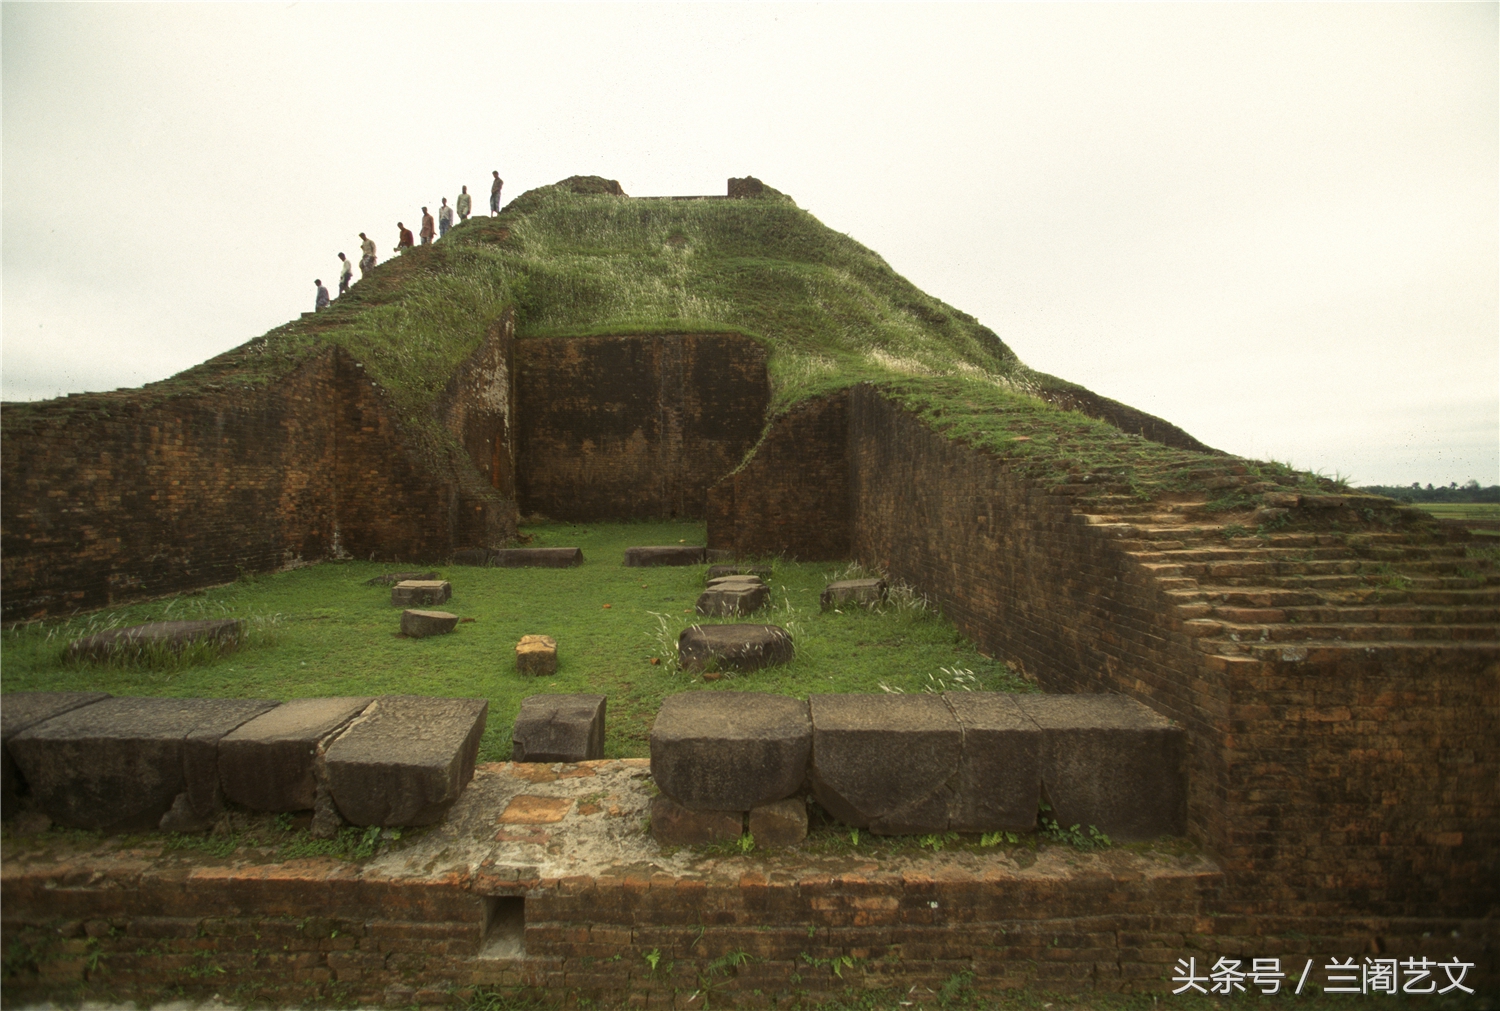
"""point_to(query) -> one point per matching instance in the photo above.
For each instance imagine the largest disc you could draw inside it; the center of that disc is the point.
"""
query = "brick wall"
(792, 497)
(633, 427)
(1346, 779)
(318, 929)
(134, 493)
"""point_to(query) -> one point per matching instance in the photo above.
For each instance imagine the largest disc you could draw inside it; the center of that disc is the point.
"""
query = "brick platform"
(543, 879)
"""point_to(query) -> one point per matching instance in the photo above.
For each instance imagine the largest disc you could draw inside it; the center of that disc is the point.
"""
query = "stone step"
(1310, 649)
(1365, 632)
(1387, 613)
(1309, 596)
(1238, 550)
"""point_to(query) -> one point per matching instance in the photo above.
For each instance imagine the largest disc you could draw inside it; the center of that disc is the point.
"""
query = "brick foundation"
(430, 925)
(1327, 781)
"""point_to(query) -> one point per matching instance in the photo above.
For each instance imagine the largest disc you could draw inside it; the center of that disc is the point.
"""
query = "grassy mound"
(576, 259)
(579, 258)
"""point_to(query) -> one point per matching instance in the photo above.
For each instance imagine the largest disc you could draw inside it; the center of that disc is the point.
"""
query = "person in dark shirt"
(322, 300)
(403, 237)
(495, 192)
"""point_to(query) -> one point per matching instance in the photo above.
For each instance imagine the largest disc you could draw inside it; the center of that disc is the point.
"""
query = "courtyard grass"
(319, 631)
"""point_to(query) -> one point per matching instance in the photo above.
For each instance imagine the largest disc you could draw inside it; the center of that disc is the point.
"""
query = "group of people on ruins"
(404, 240)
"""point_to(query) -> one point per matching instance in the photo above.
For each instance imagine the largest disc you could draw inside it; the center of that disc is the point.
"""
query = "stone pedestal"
(536, 655)
(420, 624)
(420, 592)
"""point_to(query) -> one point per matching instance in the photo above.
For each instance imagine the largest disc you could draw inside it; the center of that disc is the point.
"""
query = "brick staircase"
(1300, 572)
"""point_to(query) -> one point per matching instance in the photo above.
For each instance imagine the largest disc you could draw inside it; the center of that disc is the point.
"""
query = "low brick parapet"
(559, 854)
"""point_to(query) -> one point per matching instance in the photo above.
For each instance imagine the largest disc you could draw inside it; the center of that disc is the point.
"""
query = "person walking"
(403, 238)
(366, 255)
(427, 229)
(462, 205)
(495, 193)
(321, 302)
(445, 218)
(346, 273)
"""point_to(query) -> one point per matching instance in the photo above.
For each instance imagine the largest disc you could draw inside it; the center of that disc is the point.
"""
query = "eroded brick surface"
(128, 918)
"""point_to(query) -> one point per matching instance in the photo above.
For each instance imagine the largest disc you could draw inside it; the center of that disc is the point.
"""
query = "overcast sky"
(1274, 225)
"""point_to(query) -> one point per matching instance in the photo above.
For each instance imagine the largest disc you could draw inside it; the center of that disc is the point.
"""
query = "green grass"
(319, 631)
(1466, 511)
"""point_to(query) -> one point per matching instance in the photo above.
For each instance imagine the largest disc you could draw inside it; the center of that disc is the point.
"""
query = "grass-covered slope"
(830, 311)
(576, 259)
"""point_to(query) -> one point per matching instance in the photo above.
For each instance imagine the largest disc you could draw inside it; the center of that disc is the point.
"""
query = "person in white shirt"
(366, 255)
(346, 273)
(445, 218)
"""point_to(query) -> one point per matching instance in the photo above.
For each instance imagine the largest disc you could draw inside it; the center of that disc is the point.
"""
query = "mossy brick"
(778, 823)
(19, 711)
(675, 825)
(120, 763)
(268, 763)
(1110, 762)
(730, 751)
(405, 760)
(885, 762)
(559, 728)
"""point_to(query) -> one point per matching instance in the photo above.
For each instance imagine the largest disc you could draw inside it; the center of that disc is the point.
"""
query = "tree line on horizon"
(1453, 492)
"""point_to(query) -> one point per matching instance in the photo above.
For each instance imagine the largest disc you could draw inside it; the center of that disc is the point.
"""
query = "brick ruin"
(115, 496)
(1342, 737)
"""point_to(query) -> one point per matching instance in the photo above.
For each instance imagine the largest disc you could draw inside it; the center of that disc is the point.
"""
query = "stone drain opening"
(504, 927)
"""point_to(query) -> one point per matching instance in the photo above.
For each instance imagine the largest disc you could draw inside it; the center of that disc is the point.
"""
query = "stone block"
(391, 578)
(732, 600)
(885, 762)
(539, 558)
(420, 624)
(405, 760)
(473, 556)
(671, 554)
(739, 647)
(174, 636)
(845, 593)
(559, 728)
(746, 578)
(536, 655)
(120, 763)
(761, 572)
(675, 825)
(730, 751)
(19, 711)
(783, 823)
(267, 764)
(420, 592)
(999, 775)
(1111, 762)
